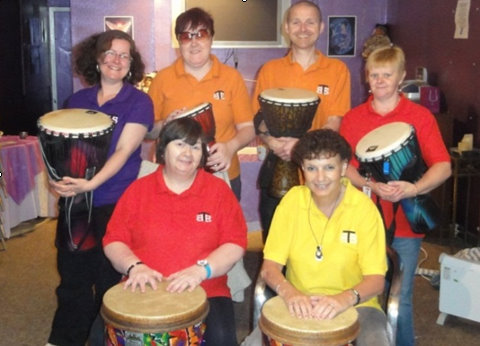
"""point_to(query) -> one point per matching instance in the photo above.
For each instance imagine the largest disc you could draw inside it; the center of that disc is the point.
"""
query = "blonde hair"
(390, 55)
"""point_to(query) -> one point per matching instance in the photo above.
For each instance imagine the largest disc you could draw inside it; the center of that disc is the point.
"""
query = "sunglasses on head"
(187, 36)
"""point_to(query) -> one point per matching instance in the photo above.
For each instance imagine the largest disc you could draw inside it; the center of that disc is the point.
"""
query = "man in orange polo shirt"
(307, 68)
(198, 77)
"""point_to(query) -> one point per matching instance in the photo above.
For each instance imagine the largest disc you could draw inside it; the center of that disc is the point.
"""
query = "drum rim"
(308, 337)
(305, 101)
(192, 112)
(75, 132)
(154, 324)
(388, 151)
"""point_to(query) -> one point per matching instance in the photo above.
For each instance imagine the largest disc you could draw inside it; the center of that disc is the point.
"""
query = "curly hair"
(87, 53)
(321, 143)
(184, 128)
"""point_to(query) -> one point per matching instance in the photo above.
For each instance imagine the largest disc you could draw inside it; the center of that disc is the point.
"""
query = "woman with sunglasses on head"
(110, 63)
(197, 77)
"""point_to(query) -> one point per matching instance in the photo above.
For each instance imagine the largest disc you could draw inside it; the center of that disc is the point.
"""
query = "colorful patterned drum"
(280, 328)
(155, 317)
(287, 112)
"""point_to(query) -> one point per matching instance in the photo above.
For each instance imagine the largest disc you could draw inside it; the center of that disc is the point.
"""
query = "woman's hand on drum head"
(327, 307)
(140, 276)
(298, 304)
(186, 279)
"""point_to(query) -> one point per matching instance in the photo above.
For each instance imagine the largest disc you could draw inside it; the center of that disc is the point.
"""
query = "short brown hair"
(194, 18)
(304, 2)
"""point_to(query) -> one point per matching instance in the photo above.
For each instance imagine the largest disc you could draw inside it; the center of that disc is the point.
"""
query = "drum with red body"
(75, 143)
(204, 115)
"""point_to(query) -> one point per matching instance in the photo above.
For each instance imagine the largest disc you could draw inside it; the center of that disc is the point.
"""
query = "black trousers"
(267, 207)
(84, 278)
(220, 323)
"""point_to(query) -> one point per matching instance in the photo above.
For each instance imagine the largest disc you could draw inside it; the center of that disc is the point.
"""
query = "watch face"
(202, 262)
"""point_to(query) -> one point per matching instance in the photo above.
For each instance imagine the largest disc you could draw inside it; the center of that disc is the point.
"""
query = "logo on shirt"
(203, 217)
(115, 118)
(349, 237)
(323, 89)
(219, 95)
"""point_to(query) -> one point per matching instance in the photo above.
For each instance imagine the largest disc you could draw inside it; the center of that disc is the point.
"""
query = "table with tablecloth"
(26, 195)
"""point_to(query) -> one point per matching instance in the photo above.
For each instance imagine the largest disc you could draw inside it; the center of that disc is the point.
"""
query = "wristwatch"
(204, 263)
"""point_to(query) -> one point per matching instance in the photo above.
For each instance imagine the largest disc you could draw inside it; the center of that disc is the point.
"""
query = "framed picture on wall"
(122, 23)
(342, 35)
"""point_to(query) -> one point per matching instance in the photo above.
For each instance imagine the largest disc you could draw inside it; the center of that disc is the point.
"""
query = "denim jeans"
(408, 250)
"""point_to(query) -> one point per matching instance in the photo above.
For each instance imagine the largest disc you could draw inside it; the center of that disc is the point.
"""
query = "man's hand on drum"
(140, 276)
(220, 156)
(70, 187)
(186, 279)
(282, 146)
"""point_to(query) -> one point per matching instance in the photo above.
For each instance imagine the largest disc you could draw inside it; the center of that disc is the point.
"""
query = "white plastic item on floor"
(459, 288)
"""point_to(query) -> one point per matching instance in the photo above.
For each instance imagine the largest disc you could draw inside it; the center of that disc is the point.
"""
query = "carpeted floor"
(28, 279)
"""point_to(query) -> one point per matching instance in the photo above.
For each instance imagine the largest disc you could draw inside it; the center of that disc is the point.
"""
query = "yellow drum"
(155, 317)
(279, 328)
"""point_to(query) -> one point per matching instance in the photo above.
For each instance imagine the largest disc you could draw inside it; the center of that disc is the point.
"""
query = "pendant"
(318, 254)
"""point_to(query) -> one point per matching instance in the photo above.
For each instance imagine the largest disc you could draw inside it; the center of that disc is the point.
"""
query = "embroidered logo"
(349, 237)
(323, 89)
(115, 118)
(219, 95)
(204, 217)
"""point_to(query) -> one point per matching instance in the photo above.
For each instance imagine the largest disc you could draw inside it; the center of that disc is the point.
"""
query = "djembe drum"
(391, 152)
(75, 143)
(287, 112)
(154, 317)
(280, 328)
(203, 114)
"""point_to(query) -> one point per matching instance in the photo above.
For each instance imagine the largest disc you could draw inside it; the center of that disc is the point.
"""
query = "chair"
(389, 299)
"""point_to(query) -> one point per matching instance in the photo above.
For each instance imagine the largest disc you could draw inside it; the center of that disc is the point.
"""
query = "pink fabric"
(21, 161)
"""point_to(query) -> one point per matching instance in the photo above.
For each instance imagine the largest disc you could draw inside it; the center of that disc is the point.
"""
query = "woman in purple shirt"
(110, 64)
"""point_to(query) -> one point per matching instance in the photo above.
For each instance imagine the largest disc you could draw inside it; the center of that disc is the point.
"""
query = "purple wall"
(153, 26)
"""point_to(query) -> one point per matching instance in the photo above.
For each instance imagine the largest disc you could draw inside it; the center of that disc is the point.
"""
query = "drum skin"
(154, 316)
(287, 112)
(280, 328)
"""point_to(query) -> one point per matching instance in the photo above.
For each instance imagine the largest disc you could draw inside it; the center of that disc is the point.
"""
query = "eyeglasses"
(112, 55)
(187, 36)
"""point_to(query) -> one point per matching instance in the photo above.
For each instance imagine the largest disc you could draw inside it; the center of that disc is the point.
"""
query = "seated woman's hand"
(298, 303)
(140, 276)
(329, 306)
(186, 279)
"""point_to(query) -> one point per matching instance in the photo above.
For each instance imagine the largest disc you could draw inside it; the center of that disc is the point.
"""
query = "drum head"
(288, 95)
(277, 323)
(71, 122)
(383, 141)
(154, 310)
(192, 112)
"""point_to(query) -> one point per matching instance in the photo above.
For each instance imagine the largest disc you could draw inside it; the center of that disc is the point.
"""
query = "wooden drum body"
(155, 317)
(279, 328)
(203, 114)
(287, 112)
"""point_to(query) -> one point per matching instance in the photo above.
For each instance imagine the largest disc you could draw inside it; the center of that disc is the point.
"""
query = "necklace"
(318, 250)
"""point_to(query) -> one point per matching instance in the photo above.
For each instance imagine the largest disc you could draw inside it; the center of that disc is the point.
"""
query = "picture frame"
(342, 36)
(122, 23)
